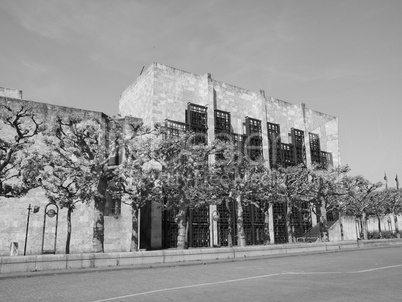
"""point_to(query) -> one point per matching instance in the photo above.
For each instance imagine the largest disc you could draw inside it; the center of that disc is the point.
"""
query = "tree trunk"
(396, 227)
(288, 222)
(181, 220)
(267, 239)
(364, 226)
(99, 225)
(324, 235)
(69, 211)
(241, 236)
(134, 230)
(99, 221)
(379, 226)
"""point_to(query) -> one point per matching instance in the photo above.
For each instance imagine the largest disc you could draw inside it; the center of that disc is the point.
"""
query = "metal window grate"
(238, 141)
(196, 119)
(175, 128)
(253, 131)
(315, 150)
(298, 145)
(274, 142)
(222, 122)
(326, 159)
(287, 155)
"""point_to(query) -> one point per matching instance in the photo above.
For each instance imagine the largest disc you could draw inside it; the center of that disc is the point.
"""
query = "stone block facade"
(163, 92)
(160, 93)
(14, 213)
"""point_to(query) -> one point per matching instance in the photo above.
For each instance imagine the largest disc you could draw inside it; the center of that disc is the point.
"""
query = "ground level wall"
(150, 258)
(13, 226)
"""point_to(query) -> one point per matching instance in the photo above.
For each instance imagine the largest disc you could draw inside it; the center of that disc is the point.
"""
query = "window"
(254, 138)
(196, 119)
(315, 150)
(112, 206)
(175, 128)
(326, 159)
(298, 145)
(222, 122)
(287, 155)
(274, 142)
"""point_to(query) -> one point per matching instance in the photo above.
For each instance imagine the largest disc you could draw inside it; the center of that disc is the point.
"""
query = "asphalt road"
(360, 275)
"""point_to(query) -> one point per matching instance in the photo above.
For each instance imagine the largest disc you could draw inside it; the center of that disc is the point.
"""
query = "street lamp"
(35, 210)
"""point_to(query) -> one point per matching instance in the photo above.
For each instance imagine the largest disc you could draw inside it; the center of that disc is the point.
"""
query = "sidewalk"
(44, 265)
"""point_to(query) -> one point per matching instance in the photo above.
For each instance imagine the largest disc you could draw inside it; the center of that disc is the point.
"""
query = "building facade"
(14, 225)
(284, 134)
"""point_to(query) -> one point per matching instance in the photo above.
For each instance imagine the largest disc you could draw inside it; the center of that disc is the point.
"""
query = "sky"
(343, 58)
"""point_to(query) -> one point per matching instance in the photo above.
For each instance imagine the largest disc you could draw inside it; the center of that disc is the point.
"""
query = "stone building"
(14, 211)
(283, 133)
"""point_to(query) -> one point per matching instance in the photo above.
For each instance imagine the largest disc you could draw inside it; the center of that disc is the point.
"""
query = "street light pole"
(26, 233)
(35, 210)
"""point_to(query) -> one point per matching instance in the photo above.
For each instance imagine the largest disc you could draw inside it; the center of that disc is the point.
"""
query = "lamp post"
(35, 210)
(215, 218)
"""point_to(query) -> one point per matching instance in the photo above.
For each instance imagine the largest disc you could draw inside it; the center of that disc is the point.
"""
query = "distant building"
(282, 133)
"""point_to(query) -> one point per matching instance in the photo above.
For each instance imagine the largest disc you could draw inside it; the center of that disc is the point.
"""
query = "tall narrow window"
(287, 155)
(238, 141)
(298, 145)
(274, 142)
(315, 150)
(326, 159)
(222, 122)
(196, 118)
(254, 138)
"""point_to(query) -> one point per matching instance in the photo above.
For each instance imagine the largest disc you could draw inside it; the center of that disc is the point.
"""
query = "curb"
(45, 265)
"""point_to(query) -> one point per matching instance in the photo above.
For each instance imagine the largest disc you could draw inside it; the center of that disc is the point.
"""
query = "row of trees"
(79, 160)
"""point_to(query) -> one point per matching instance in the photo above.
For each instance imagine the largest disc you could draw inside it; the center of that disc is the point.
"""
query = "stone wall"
(13, 225)
(10, 93)
(13, 211)
(163, 92)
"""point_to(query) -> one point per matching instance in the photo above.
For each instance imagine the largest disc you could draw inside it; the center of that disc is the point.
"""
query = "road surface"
(359, 275)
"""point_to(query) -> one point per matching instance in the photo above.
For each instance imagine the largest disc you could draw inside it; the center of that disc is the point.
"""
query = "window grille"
(298, 145)
(238, 141)
(199, 227)
(222, 122)
(196, 119)
(279, 217)
(315, 150)
(253, 132)
(112, 206)
(274, 142)
(287, 155)
(326, 159)
(175, 128)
